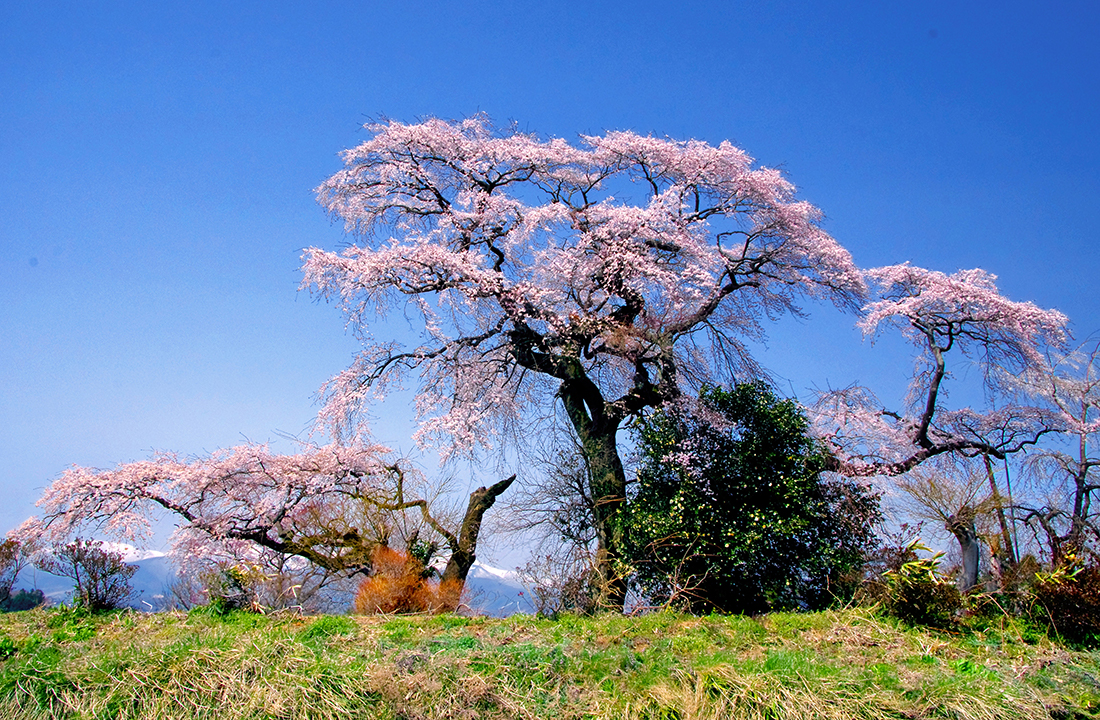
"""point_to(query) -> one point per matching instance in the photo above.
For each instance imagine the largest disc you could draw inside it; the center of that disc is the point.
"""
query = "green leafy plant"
(919, 593)
(234, 587)
(731, 511)
(1067, 602)
(71, 623)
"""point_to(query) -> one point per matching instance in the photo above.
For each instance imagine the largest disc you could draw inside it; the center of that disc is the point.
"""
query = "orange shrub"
(398, 585)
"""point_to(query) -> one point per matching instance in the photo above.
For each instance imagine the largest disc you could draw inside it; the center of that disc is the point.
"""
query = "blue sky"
(159, 159)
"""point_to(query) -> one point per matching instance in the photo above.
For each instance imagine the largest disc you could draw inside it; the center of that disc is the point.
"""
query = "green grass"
(836, 664)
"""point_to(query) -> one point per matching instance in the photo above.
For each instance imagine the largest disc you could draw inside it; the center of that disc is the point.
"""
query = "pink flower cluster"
(622, 253)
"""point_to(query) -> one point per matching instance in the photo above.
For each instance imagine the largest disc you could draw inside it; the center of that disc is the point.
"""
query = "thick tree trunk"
(464, 547)
(607, 485)
(607, 480)
(962, 527)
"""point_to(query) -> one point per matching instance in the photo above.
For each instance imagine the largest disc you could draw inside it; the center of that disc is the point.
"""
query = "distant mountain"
(496, 592)
(491, 591)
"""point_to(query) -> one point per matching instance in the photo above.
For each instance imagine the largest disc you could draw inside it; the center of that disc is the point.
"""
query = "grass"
(835, 664)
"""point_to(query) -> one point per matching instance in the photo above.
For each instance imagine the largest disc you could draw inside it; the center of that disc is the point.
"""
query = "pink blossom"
(230, 501)
(628, 255)
(939, 314)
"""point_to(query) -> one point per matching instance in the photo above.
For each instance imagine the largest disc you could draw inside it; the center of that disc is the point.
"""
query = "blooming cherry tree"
(939, 314)
(607, 274)
(330, 505)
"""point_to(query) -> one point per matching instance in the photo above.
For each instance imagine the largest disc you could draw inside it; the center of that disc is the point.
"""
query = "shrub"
(918, 594)
(102, 579)
(233, 587)
(731, 511)
(930, 603)
(23, 600)
(561, 584)
(399, 584)
(1067, 601)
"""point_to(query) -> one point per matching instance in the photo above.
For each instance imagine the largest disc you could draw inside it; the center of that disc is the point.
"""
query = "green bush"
(7, 647)
(917, 593)
(1067, 601)
(925, 602)
(732, 513)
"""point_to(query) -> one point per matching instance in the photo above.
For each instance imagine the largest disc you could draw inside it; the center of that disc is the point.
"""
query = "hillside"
(842, 664)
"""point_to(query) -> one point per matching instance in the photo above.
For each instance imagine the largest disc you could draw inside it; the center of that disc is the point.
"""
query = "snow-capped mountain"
(491, 591)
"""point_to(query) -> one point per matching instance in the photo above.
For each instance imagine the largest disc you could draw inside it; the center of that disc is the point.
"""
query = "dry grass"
(845, 664)
(399, 585)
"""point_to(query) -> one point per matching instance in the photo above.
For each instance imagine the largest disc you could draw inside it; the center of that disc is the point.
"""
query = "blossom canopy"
(637, 262)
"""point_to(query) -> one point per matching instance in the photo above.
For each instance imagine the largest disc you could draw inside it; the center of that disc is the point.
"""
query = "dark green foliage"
(7, 647)
(731, 512)
(924, 602)
(424, 552)
(102, 579)
(1069, 605)
(23, 600)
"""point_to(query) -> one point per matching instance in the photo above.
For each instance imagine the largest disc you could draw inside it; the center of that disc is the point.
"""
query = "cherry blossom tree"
(963, 313)
(330, 505)
(606, 275)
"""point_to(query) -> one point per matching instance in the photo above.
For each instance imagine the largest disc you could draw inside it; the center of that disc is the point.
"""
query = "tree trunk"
(463, 552)
(962, 527)
(597, 432)
(607, 480)
(1007, 551)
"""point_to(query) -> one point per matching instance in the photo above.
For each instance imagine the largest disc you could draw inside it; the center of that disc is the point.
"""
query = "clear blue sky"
(158, 160)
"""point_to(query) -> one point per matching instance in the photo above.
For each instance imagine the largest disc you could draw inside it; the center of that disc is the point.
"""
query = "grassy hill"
(836, 664)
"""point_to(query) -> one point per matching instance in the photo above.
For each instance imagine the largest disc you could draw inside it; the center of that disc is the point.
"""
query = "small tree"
(12, 560)
(963, 497)
(1067, 470)
(102, 579)
(556, 520)
(15, 556)
(732, 513)
(961, 313)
